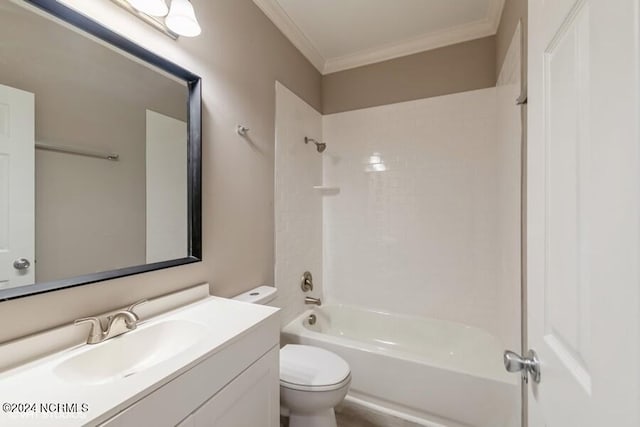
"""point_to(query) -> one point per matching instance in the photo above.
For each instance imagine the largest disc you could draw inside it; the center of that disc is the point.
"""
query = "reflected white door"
(583, 212)
(167, 222)
(17, 222)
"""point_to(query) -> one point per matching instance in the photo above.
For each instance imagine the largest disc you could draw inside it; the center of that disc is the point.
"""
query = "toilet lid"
(306, 366)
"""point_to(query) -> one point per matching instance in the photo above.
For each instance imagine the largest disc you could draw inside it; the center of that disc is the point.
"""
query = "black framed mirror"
(100, 153)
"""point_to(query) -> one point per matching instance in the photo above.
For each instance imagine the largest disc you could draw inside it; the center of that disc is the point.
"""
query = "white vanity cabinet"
(237, 386)
(207, 362)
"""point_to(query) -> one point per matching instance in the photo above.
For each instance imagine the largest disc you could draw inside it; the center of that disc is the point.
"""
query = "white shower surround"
(423, 237)
(298, 228)
(436, 234)
(509, 140)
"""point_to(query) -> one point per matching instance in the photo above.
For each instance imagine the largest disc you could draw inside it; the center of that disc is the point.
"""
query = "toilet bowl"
(313, 380)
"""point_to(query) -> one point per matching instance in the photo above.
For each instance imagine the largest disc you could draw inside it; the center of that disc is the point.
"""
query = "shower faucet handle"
(307, 282)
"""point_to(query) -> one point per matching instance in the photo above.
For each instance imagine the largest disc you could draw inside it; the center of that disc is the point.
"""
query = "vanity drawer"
(252, 399)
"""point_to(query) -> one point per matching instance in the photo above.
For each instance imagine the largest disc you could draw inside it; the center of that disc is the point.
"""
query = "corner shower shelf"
(326, 189)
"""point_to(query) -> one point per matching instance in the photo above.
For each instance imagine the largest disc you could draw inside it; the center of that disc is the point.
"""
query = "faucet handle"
(95, 334)
(306, 282)
(135, 304)
(95, 322)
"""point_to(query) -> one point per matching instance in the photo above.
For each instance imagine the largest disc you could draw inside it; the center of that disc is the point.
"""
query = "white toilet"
(312, 380)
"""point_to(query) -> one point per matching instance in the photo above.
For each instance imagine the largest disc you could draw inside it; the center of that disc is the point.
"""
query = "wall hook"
(242, 130)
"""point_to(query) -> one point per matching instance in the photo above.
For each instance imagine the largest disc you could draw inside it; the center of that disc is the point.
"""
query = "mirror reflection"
(93, 155)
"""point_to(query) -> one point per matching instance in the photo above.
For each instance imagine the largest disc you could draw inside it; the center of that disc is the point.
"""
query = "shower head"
(320, 146)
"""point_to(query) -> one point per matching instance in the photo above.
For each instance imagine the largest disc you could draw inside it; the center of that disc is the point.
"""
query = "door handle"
(21, 264)
(513, 362)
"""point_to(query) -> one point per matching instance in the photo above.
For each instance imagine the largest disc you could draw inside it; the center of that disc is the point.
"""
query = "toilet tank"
(262, 295)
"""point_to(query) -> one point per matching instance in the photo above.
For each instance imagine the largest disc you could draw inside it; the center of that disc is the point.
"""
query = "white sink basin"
(135, 351)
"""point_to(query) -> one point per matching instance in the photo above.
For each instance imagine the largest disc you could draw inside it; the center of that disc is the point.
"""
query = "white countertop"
(25, 389)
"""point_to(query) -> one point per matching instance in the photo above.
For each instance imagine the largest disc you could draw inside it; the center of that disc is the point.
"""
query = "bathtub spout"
(312, 301)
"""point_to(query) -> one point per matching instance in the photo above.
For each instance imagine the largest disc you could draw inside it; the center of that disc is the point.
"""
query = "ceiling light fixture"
(150, 7)
(177, 20)
(182, 19)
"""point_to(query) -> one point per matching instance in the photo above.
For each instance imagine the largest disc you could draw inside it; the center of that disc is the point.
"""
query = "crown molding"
(281, 19)
(474, 30)
(424, 43)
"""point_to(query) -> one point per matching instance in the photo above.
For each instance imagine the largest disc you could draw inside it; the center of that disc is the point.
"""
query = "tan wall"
(239, 55)
(450, 69)
(90, 213)
(514, 11)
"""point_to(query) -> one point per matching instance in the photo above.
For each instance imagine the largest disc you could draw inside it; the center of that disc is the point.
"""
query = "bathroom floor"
(350, 415)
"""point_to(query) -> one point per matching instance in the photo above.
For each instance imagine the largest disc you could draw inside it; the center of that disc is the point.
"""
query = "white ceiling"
(341, 34)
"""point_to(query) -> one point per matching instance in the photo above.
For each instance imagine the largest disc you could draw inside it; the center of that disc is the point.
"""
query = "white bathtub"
(432, 371)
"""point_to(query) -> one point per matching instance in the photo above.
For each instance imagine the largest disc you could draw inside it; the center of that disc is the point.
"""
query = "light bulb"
(150, 7)
(182, 19)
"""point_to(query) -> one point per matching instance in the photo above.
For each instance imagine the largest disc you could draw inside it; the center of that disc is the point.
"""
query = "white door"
(583, 212)
(17, 223)
(167, 221)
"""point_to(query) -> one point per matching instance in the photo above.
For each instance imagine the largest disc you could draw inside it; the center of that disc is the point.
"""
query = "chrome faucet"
(312, 301)
(117, 324)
